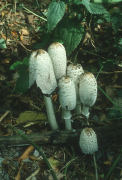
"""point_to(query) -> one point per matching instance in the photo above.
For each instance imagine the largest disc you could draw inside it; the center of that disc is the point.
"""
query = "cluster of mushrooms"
(77, 89)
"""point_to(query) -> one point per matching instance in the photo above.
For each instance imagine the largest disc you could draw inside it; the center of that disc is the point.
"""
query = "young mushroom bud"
(88, 141)
(74, 71)
(67, 99)
(87, 91)
(58, 56)
(42, 70)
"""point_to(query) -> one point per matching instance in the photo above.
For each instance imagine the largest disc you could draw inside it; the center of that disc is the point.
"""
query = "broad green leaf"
(107, 1)
(30, 116)
(22, 83)
(15, 65)
(55, 13)
(94, 8)
(70, 32)
(2, 44)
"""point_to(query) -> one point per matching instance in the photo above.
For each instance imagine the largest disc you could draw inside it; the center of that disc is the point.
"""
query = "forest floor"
(19, 160)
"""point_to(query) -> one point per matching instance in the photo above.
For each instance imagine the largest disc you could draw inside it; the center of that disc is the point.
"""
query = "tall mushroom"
(41, 71)
(74, 71)
(87, 91)
(59, 60)
(67, 98)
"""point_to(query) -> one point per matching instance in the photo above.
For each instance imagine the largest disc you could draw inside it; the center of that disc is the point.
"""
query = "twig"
(114, 72)
(4, 115)
(39, 149)
(33, 174)
(34, 14)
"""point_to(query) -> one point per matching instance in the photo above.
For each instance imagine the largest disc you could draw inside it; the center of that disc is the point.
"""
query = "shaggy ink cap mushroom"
(74, 71)
(67, 93)
(88, 141)
(87, 91)
(59, 60)
(67, 99)
(41, 71)
(45, 77)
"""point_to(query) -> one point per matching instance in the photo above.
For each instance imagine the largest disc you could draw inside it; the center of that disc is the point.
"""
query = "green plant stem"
(114, 165)
(50, 112)
(95, 166)
(19, 132)
(66, 115)
(35, 14)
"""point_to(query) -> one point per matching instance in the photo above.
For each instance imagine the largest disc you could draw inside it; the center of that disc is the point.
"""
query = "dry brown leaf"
(26, 153)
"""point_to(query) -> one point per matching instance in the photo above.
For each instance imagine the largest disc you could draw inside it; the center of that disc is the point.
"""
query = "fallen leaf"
(30, 116)
(26, 153)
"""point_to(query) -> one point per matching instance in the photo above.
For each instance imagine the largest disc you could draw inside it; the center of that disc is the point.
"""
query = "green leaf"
(55, 13)
(94, 8)
(22, 83)
(15, 65)
(30, 116)
(2, 44)
(70, 32)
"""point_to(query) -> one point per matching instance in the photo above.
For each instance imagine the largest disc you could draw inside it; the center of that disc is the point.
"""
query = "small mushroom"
(87, 91)
(59, 60)
(41, 71)
(67, 99)
(74, 71)
(88, 141)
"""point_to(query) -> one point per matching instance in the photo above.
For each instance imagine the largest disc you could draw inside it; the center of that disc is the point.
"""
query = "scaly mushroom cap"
(67, 93)
(73, 71)
(88, 141)
(45, 77)
(87, 89)
(32, 68)
(58, 56)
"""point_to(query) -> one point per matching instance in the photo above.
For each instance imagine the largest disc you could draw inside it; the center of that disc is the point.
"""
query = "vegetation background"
(91, 33)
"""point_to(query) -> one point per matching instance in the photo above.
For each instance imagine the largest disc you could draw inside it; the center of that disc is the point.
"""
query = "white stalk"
(85, 111)
(67, 117)
(50, 112)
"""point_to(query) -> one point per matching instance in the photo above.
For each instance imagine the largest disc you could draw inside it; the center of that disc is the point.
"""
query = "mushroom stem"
(66, 115)
(78, 108)
(50, 112)
(85, 111)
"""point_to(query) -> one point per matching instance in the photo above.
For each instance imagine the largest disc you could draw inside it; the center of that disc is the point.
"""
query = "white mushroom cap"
(87, 89)
(45, 77)
(73, 71)
(32, 68)
(67, 93)
(58, 56)
(88, 141)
